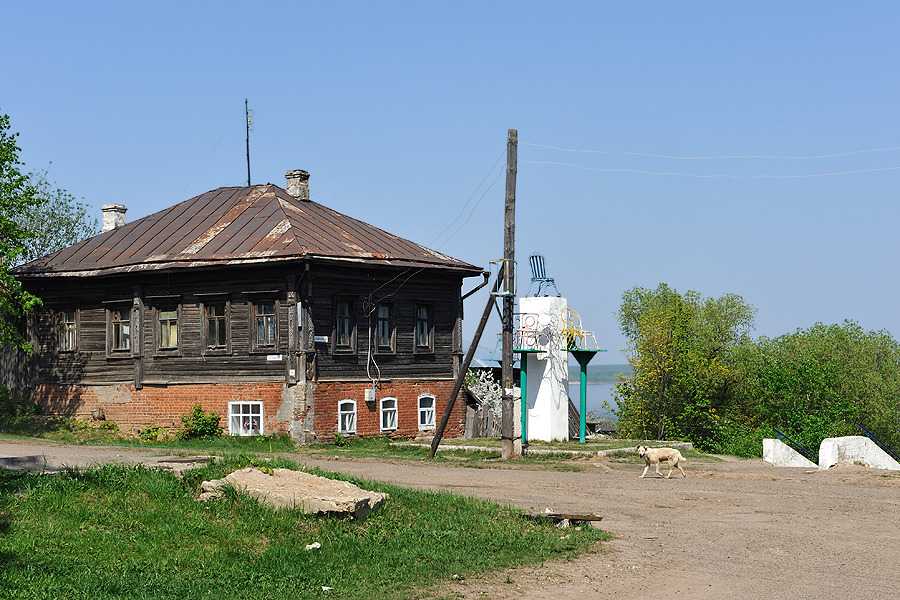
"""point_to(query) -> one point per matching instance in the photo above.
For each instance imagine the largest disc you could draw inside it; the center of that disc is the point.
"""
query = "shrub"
(200, 424)
(154, 434)
(111, 426)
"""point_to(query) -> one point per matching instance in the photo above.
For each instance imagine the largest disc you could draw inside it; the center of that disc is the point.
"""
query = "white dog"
(654, 456)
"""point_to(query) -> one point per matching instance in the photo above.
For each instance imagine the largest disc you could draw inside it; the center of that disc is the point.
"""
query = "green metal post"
(523, 386)
(582, 393)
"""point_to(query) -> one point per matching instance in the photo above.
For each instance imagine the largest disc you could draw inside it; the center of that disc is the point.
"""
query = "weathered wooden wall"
(317, 288)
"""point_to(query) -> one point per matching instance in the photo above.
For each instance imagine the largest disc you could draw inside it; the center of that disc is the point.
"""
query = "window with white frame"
(347, 416)
(426, 412)
(245, 418)
(388, 414)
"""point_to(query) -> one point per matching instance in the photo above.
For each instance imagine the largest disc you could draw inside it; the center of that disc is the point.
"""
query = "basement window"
(347, 416)
(426, 412)
(68, 331)
(245, 418)
(388, 414)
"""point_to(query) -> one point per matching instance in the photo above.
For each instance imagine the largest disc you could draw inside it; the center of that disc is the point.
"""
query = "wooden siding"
(92, 364)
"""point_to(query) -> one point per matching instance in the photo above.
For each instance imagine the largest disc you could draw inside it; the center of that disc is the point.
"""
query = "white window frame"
(231, 414)
(381, 411)
(433, 409)
(340, 414)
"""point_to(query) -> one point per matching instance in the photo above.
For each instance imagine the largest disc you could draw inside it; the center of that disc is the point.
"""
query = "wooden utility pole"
(507, 423)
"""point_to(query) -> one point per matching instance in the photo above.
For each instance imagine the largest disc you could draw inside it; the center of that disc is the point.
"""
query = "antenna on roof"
(248, 121)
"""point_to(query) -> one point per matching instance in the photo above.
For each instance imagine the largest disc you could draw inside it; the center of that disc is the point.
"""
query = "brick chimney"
(113, 216)
(298, 184)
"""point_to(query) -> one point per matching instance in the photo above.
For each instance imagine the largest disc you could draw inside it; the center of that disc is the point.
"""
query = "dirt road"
(731, 530)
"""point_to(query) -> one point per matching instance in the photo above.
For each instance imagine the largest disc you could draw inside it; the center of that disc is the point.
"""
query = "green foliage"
(821, 382)
(56, 220)
(133, 532)
(199, 424)
(679, 343)
(153, 434)
(699, 376)
(17, 196)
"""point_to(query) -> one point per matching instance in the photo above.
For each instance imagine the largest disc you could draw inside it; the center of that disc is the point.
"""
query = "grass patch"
(76, 431)
(131, 532)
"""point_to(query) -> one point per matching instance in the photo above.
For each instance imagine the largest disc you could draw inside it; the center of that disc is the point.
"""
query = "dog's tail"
(681, 458)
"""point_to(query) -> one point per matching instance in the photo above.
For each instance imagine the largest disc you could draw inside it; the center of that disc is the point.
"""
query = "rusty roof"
(237, 225)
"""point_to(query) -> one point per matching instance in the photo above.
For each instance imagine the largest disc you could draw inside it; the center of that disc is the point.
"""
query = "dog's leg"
(669, 474)
(683, 476)
(645, 471)
(657, 470)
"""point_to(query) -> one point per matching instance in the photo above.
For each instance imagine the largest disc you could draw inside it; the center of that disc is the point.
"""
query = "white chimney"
(298, 184)
(113, 216)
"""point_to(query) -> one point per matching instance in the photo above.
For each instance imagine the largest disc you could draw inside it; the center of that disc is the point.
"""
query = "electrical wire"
(713, 175)
(718, 156)
(452, 227)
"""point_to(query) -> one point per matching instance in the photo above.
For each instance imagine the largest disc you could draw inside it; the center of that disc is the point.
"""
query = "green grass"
(75, 431)
(131, 532)
(589, 445)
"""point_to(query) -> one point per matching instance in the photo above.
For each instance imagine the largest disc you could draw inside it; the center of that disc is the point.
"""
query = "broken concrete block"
(285, 488)
(776, 452)
(854, 449)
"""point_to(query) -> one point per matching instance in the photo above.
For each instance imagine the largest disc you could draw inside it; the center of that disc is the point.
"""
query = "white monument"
(541, 321)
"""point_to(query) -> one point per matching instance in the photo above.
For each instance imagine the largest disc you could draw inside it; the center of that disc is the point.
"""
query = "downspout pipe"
(487, 278)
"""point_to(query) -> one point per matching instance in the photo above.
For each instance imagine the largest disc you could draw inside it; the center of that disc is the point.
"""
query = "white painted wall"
(778, 453)
(548, 374)
(854, 449)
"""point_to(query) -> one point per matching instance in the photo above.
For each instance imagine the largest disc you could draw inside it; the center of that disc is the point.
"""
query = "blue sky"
(399, 111)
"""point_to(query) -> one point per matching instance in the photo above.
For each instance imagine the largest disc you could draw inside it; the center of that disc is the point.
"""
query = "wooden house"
(276, 312)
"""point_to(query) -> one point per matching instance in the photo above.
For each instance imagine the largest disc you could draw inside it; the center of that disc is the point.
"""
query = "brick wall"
(407, 393)
(135, 409)
(163, 406)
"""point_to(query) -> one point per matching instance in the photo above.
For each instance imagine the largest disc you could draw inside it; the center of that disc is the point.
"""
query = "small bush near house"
(132, 532)
(154, 434)
(199, 424)
(108, 426)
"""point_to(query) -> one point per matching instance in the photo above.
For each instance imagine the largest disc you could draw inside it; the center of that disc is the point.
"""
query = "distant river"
(597, 394)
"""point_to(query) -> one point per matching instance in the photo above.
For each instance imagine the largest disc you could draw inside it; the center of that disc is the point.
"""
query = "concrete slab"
(854, 449)
(776, 452)
(284, 488)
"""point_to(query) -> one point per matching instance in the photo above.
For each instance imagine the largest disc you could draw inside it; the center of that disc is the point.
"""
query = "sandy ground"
(730, 530)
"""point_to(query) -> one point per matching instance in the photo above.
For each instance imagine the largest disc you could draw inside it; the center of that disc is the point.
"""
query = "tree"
(679, 345)
(70, 219)
(18, 195)
(820, 382)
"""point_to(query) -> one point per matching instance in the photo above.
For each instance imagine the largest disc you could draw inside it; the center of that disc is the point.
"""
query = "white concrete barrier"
(778, 453)
(854, 449)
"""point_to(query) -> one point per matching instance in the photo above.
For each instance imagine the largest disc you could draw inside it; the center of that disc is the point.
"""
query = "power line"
(713, 175)
(471, 196)
(718, 156)
(450, 231)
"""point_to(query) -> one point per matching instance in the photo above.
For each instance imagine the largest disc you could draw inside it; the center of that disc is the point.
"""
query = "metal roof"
(237, 225)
